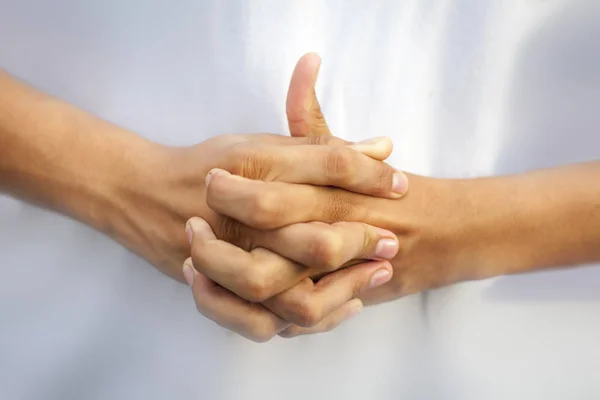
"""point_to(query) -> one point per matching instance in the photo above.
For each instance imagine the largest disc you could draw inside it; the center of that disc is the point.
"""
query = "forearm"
(451, 231)
(538, 220)
(63, 158)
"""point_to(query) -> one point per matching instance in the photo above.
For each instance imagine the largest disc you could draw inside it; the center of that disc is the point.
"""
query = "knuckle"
(325, 140)
(230, 231)
(251, 161)
(356, 287)
(266, 210)
(360, 229)
(257, 288)
(383, 177)
(319, 140)
(326, 250)
(341, 207)
(306, 313)
(199, 254)
(339, 164)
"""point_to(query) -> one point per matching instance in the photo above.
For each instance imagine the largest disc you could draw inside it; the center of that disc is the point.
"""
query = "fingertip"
(355, 307)
(188, 272)
(378, 148)
(214, 172)
(399, 183)
(311, 61)
(197, 227)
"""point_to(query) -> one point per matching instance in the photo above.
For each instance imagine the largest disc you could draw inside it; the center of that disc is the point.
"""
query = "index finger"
(337, 166)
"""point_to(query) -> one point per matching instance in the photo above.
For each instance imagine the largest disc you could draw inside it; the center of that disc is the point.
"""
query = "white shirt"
(465, 88)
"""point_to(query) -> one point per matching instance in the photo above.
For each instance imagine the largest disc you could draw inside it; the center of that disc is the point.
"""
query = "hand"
(171, 190)
(427, 223)
(168, 187)
(290, 298)
(233, 282)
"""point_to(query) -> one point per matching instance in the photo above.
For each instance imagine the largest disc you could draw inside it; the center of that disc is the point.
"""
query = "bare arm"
(63, 158)
(537, 220)
(142, 194)
(460, 230)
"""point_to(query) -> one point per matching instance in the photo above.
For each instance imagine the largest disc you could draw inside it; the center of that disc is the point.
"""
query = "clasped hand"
(283, 253)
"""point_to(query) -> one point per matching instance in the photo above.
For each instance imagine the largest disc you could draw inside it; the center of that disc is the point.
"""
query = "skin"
(449, 230)
(141, 194)
(278, 270)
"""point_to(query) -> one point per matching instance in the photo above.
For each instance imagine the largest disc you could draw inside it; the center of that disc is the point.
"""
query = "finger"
(307, 304)
(302, 106)
(250, 320)
(378, 148)
(332, 321)
(254, 276)
(268, 205)
(326, 247)
(322, 166)
(273, 138)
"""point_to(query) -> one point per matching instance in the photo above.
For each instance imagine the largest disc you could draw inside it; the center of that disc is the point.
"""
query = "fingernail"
(214, 172)
(379, 278)
(189, 233)
(399, 183)
(188, 273)
(386, 248)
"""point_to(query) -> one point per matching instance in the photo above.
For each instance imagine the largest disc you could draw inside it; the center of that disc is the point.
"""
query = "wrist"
(462, 230)
(93, 184)
(162, 189)
(439, 234)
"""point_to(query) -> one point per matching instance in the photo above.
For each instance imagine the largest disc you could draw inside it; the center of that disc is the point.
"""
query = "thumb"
(302, 107)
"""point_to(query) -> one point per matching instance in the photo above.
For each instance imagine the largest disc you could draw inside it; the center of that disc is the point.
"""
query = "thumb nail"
(380, 277)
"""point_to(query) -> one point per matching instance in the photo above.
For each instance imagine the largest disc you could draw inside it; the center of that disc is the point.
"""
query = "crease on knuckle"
(356, 288)
(339, 166)
(383, 179)
(230, 231)
(319, 140)
(370, 239)
(340, 205)
(250, 161)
